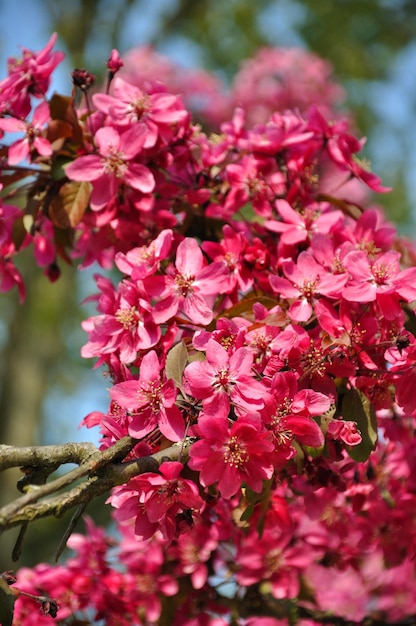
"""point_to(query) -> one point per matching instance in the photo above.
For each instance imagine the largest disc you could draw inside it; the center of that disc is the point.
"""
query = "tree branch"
(98, 472)
(37, 456)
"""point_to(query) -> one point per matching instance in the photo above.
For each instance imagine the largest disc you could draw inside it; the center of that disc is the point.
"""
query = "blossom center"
(235, 455)
(337, 265)
(283, 408)
(282, 433)
(315, 360)
(231, 261)
(31, 132)
(150, 391)
(222, 378)
(127, 317)
(381, 273)
(115, 164)
(369, 247)
(273, 561)
(308, 287)
(140, 106)
(184, 284)
(144, 584)
(254, 185)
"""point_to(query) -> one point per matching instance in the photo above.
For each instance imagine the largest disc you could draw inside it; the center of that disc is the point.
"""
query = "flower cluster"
(259, 337)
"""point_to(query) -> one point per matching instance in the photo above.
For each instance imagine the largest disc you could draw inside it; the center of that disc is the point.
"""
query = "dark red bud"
(82, 79)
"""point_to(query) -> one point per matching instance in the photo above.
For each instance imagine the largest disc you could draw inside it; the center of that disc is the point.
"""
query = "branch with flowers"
(258, 448)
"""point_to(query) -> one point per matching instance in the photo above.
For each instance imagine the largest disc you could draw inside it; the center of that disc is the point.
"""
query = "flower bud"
(82, 79)
(114, 62)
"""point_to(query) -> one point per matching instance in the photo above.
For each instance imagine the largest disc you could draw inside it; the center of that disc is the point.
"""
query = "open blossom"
(225, 380)
(230, 251)
(232, 455)
(150, 401)
(379, 280)
(288, 412)
(272, 558)
(247, 182)
(194, 549)
(191, 288)
(33, 141)
(296, 227)
(156, 501)
(114, 165)
(305, 280)
(143, 261)
(29, 76)
(129, 105)
(125, 325)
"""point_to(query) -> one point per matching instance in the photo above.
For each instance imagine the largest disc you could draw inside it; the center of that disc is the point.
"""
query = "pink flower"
(248, 183)
(156, 500)
(150, 401)
(194, 549)
(230, 251)
(125, 325)
(191, 288)
(379, 280)
(342, 148)
(278, 79)
(296, 227)
(274, 557)
(225, 380)
(304, 281)
(114, 62)
(11, 277)
(144, 261)
(232, 455)
(32, 142)
(130, 105)
(29, 76)
(113, 166)
(43, 243)
(288, 412)
(346, 431)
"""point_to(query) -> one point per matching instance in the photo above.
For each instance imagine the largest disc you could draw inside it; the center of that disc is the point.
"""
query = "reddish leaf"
(62, 108)
(68, 207)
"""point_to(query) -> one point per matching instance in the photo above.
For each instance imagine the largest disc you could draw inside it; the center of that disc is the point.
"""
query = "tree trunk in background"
(32, 352)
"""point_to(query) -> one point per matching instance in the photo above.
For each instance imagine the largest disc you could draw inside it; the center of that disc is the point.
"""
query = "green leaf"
(358, 408)
(176, 361)
(7, 599)
(313, 452)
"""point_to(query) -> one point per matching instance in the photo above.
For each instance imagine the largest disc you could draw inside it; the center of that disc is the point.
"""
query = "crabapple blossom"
(125, 325)
(303, 281)
(151, 402)
(190, 288)
(129, 105)
(28, 76)
(157, 501)
(33, 140)
(232, 455)
(114, 165)
(257, 336)
(225, 380)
